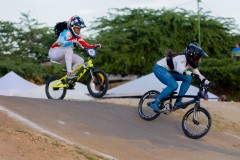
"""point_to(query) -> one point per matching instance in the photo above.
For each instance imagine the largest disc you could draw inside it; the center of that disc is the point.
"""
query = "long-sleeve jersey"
(181, 66)
(65, 39)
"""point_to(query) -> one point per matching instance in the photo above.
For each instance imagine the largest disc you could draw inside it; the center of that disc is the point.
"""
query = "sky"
(52, 11)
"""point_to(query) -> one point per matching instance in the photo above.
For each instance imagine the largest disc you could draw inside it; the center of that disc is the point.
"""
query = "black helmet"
(75, 21)
(193, 54)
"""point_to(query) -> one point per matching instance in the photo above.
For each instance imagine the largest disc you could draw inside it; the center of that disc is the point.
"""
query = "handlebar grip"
(212, 85)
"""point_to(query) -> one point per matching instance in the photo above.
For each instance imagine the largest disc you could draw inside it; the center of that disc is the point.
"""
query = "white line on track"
(42, 130)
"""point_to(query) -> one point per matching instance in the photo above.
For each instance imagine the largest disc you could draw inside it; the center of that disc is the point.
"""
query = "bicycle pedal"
(161, 110)
(71, 86)
(156, 111)
(167, 111)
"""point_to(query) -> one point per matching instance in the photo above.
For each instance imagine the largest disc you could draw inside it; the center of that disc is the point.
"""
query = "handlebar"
(203, 90)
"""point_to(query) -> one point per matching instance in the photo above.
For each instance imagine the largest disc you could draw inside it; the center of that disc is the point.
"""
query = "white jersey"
(180, 65)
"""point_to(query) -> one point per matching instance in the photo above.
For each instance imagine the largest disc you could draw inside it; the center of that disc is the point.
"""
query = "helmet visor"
(203, 54)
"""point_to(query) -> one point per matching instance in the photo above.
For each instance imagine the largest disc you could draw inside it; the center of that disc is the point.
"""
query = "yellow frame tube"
(57, 85)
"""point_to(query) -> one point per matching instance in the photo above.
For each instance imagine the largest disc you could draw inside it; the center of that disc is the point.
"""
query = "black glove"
(98, 45)
(196, 76)
(212, 85)
(76, 45)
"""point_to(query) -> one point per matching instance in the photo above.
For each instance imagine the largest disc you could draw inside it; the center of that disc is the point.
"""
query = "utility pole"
(199, 26)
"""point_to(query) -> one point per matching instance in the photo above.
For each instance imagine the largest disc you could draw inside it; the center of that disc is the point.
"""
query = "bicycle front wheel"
(195, 125)
(144, 111)
(97, 84)
(57, 92)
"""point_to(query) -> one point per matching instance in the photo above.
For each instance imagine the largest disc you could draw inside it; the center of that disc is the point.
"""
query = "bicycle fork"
(95, 77)
(195, 113)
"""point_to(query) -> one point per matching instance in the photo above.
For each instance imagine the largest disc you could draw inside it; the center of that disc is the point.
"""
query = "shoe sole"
(160, 110)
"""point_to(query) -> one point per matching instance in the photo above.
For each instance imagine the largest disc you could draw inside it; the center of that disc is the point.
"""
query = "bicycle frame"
(86, 66)
(195, 100)
(96, 79)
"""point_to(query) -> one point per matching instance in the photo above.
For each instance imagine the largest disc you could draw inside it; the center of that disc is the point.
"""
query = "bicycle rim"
(98, 84)
(144, 111)
(55, 93)
(196, 125)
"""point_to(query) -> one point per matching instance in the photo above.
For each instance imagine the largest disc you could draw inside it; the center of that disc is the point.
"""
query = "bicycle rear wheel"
(144, 111)
(97, 84)
(55, 93)
(196, 125)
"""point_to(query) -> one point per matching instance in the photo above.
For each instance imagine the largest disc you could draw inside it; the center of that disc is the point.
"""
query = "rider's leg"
(68, 58)
(57, 54)
(77, 60)
(65, 55)
(62, 55)
(186, 82)
(166, 78)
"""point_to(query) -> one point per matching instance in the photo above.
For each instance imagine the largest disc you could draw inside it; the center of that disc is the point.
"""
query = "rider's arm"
(196, 71)
(180, 67)
(85, 44)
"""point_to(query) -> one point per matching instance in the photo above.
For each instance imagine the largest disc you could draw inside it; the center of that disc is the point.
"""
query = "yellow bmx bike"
(97, 81)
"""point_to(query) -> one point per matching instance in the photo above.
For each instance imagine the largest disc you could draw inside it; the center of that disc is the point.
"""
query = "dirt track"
(117, 131)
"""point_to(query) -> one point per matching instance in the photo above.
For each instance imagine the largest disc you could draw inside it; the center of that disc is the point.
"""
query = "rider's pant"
(66, 56)
(170, 80)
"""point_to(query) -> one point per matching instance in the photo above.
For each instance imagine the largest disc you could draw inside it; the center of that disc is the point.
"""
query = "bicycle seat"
(55, 62)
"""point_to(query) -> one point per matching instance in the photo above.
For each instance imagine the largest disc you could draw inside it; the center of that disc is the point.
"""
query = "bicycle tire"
(144, 111)
(98, 84)
(198, 124)
(50, 92)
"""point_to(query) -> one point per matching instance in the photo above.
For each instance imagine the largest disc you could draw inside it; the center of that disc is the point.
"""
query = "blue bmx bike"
(195, 123)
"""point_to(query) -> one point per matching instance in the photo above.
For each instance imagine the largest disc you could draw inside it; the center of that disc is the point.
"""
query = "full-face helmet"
(75, 21)
(193, 54)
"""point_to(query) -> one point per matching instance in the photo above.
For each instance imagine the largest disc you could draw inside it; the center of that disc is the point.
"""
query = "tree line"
(132, 41)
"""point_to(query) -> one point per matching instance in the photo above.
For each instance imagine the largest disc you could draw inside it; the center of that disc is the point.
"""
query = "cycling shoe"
(178, 105)
(154, 106)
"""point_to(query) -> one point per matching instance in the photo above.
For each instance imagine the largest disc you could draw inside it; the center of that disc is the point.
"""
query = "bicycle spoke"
(56, 92)
(98, 84)
(196, 125)
(144, 110)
